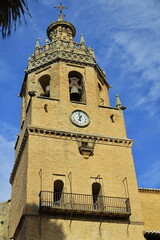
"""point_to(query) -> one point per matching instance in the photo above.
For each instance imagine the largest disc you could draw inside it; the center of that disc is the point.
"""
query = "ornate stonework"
(48, 58)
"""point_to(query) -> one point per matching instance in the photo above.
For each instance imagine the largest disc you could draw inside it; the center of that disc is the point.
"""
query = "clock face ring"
(79, 118)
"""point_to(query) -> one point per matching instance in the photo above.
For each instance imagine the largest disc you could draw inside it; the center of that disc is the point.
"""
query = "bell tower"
(73, 176)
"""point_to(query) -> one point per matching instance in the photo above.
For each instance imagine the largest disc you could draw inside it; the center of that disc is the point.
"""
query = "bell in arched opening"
(44, 85)
(76, 88)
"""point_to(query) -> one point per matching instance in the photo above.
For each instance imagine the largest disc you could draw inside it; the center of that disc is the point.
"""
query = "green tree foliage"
(11, 13)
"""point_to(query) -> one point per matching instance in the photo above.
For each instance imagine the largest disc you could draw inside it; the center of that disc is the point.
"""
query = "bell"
(47, 88)
(74, 94)
(47, 91)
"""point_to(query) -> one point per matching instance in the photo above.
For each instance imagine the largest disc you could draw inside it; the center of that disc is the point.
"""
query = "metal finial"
(60, 9)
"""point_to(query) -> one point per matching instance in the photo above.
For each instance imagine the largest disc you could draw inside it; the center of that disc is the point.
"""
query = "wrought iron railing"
(54, 201)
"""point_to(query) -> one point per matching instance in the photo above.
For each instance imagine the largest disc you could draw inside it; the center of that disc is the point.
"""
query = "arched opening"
(97, 196)
(76, 87)
(58, 189)
(44, 85)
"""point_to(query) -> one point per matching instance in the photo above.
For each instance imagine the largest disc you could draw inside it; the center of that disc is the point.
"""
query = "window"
(76, 87)
(97, 196)
(58, 189)
(44, 85)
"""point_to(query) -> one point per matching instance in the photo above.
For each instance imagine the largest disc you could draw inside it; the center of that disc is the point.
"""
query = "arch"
(58, 190)
(44, 85)
(76, 86)
(97, 195)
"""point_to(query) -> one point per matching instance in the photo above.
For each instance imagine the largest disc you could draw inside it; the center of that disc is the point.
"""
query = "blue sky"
(125, 36)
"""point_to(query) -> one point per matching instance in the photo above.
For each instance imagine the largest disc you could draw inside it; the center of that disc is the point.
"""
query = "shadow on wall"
(33, 225)
(52, 229)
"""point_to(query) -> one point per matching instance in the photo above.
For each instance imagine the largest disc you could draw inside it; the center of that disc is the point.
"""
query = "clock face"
(79, 118)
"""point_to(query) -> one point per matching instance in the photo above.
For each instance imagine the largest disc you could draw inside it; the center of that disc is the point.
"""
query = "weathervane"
(60, 9)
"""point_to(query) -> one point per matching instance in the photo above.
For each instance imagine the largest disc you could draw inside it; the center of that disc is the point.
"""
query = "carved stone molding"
(149, 190)
(77, 58)
(86, 148)
(86, 151)
(99, 139)
(19, 155)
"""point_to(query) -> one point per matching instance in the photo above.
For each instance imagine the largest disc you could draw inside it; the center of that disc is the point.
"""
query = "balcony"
(84, 204)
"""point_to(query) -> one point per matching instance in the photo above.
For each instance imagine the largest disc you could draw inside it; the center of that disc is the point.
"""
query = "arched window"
(58, 189)
(76, 87)
(44, 85)
(97, 196)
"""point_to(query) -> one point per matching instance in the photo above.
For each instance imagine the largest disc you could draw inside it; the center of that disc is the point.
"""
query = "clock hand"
(79, 116)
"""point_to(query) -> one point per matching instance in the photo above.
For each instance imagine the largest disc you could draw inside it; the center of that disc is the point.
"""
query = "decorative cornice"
(148, 190)
(150, 234)
(64, 135)
(62, 50)
(19, 155)
(136, 223)
(147, 231)
(74, 136)
(34, 64)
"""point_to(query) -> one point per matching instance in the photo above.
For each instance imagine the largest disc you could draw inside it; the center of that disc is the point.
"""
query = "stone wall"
(4, 216)
(150, 203)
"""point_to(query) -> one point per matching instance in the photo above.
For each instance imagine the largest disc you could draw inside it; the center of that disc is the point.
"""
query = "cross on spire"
(60, 8)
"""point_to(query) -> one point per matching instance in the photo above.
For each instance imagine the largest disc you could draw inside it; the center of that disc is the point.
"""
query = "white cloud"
(36, 30)
(155, 91)
(8, 131)
(134, 43)
(7, 141)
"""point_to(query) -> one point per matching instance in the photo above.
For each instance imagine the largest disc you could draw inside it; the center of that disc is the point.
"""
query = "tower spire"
(119, 104)
(60, 9)
(61, 30)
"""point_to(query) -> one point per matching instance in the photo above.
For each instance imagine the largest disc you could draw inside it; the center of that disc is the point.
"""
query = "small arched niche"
(97, 196)
(44, 85)
(58, 190)
(76, 87)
